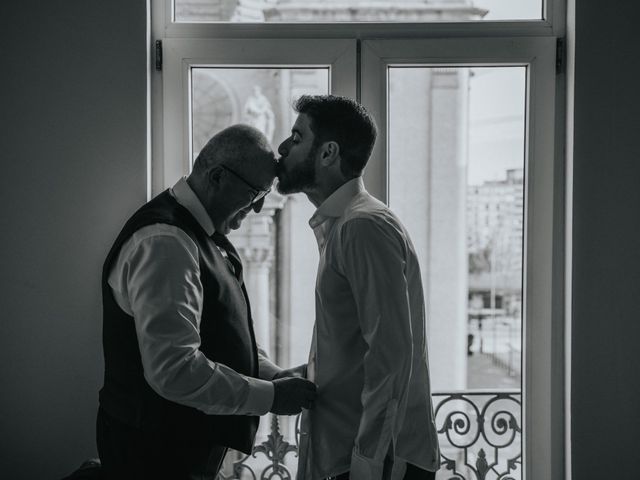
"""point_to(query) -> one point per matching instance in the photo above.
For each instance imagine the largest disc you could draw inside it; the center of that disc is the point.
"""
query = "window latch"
(159, 55)
(560, 55)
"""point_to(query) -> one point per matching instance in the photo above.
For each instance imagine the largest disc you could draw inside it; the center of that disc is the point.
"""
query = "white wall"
(606, 242)
(73, 150)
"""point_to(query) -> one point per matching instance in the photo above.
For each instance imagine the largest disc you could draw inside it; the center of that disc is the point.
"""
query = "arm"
(373, 259)
(268, 369)
(159, 279)
(271, 371)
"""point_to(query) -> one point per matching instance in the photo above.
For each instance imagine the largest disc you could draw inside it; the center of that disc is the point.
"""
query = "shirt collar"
(186, 197)
(336, 203)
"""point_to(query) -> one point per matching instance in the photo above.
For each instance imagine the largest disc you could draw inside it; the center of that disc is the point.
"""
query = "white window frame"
(181, 55)
(362, 52)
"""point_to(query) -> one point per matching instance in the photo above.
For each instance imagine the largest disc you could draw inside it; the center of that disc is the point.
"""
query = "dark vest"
(226, 331)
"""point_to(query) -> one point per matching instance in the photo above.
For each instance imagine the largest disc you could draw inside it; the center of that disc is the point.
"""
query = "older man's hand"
(291, 395)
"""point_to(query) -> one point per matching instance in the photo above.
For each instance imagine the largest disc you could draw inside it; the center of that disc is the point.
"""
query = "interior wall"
(73, 150)
(606, 241)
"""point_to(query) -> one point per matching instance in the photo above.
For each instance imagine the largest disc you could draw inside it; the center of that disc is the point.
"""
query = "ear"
(329, 154)
(214, 176)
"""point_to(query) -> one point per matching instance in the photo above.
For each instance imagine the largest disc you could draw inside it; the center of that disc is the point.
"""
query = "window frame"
(553, 23)
(542, 384)
(180, 55)
(547, 441)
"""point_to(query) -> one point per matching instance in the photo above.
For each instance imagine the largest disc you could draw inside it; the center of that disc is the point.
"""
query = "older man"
(182, 370)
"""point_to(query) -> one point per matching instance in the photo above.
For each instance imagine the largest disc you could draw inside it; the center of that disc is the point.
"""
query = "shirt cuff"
(260, 398)
(364, 468)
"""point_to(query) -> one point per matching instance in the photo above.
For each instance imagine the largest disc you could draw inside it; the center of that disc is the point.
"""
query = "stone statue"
(258, 113)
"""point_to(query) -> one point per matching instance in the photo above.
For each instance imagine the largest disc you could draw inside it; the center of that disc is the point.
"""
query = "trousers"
(127, 452)
(412, 473)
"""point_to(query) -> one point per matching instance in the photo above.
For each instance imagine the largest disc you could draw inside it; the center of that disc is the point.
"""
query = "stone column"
(255, 243)
(257, 255)
(427, 185)
(447, 272)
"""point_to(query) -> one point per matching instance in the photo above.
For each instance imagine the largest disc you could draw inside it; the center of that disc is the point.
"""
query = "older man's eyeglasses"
(259, 193)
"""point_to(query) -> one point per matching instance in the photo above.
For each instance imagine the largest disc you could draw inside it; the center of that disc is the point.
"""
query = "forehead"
(261, 171)
(303, 124)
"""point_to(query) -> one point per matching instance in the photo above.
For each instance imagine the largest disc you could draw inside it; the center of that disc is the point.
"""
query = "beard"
(300, 177)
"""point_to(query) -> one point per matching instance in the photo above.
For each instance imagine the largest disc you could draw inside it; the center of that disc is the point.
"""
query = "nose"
(282, 149)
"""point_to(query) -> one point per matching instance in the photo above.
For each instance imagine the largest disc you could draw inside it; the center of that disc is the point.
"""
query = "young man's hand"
(299, 371)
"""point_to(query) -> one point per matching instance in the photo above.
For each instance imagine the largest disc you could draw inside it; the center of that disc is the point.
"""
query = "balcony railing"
(480, 436)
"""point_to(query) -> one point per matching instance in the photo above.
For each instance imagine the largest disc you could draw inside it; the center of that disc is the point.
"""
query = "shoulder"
(369, 221)
(160, 237)
(367, 214)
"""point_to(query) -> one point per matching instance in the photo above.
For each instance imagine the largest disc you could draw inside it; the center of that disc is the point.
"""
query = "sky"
(496, 105)
(496, 122)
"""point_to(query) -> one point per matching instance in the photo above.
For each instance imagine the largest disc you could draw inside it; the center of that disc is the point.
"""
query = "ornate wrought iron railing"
(274, 458)
(480, 436)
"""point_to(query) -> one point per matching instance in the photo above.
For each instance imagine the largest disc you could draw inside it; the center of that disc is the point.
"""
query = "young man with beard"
(373, 417)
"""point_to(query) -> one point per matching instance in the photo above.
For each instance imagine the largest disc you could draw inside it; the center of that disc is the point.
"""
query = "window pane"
(277, 247)
(332, 11)
(261, 97)
(456, 170)
(456, 147)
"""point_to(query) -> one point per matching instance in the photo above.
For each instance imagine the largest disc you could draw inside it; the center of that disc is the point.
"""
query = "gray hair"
(231, 146)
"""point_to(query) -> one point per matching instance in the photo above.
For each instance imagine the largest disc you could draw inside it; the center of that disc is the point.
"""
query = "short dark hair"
(344, 121)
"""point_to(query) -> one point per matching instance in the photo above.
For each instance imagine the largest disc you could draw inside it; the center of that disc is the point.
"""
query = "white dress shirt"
(156, 280)
(368, 354)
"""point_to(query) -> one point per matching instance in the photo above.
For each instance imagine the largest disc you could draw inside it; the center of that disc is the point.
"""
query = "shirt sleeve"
(374, 264)
(268, 369)
(158, 276)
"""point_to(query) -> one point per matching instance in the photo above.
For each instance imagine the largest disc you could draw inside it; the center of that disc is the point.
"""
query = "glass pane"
(332, 11)
(261, 97)
(456, 170)
(277, 246)
(278, 238)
